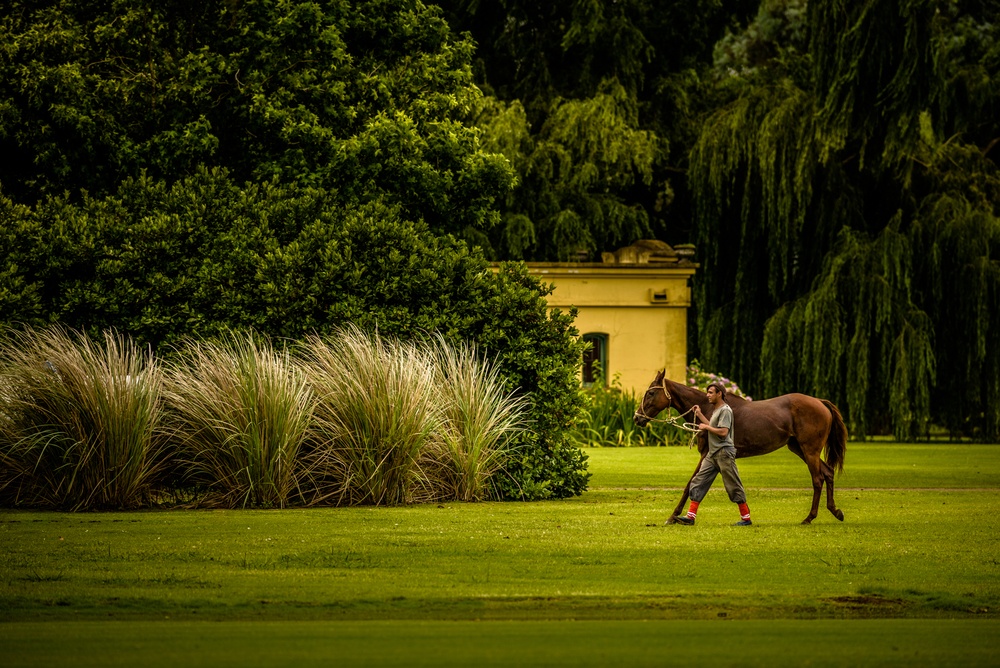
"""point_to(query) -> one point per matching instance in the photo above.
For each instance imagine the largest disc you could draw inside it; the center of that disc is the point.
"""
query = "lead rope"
(678, 422)
(685, 426)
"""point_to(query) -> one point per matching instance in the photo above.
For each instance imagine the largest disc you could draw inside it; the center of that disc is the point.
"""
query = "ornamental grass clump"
(376, 411)
(479, 417)
(241, 411)
(80, 422)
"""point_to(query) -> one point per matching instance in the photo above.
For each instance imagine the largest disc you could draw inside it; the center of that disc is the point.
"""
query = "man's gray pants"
(722, 461)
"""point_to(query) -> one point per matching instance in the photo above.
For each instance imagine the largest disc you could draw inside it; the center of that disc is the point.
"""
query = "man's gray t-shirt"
(722, 417)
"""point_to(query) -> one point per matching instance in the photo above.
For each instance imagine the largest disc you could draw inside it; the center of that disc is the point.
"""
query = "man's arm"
(721, 432)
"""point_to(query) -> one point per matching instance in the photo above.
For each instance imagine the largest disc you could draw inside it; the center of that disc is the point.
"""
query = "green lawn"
(869, 465)
(912, 576)
(504, 644)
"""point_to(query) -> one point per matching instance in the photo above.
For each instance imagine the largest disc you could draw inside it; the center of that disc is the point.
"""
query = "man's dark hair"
(721, 390)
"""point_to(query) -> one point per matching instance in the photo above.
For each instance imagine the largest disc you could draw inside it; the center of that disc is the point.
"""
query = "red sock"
(744, 511)
(693, 510)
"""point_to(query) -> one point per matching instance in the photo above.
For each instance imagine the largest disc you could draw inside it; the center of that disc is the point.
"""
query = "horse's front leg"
(687, 491)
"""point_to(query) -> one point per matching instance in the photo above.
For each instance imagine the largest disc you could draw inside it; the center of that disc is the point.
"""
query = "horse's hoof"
(807, 520)
(671, 520)
(839, 514)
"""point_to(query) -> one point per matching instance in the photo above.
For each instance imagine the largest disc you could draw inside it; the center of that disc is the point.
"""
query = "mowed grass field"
(912, 577)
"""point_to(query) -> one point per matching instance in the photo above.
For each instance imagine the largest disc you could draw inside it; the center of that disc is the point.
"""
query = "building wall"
(642, 309)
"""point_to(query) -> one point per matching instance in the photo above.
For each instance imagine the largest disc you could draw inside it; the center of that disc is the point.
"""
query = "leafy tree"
(839, 224)
(576, 173)
(354, 98)
(594, 103)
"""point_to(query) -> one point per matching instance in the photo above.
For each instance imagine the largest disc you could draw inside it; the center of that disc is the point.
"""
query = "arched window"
(595, 359)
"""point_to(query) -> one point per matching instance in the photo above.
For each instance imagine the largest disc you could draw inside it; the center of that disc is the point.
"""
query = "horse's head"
(656, 399)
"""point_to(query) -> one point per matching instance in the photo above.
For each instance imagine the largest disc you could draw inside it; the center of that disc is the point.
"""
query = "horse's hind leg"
(816, 473)
(830, 504)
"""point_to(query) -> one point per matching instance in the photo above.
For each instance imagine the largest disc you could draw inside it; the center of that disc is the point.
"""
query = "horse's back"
(795, 404)
(768, 424)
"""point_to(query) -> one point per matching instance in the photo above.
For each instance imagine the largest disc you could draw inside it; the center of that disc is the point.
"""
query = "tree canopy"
(355, 99)
(593, 102)
(847, 209)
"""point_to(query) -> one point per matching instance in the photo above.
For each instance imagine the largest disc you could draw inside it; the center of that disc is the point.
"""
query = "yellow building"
(632, 308)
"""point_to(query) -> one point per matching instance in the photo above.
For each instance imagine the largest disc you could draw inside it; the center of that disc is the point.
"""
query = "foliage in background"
(697, 377)
(161, 265)
(284, 167)
(594, 102)
(847, 211)
(608, 420)
(81, 422)
(577, 172)
(178, 169)
(361, 100)
(836, 161)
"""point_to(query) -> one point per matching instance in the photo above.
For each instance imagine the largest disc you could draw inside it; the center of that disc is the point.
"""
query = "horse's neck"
(684, 396)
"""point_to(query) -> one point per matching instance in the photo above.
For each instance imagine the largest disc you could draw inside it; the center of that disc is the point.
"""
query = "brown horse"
(805, 424)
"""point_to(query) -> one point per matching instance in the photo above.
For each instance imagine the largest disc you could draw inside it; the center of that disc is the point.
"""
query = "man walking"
(721, 458)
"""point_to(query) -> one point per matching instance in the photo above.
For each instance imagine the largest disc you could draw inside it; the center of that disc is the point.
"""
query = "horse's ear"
(660, 374)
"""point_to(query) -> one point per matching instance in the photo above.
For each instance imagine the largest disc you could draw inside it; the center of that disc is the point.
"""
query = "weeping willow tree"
(595, 103)
(848, 250)
(576, 171)
(857, 335)
(956, 230)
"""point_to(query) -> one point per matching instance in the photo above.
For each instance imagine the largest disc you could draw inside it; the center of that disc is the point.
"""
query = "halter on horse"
(677, 421)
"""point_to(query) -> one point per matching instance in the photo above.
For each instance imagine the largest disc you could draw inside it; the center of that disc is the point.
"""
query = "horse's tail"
(836, 442)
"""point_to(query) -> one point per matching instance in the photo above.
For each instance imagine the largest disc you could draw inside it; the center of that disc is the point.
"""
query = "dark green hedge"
(163, 262)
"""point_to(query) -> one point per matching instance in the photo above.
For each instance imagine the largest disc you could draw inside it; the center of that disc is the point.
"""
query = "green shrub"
(540, 354)
(392, 276)
(398, 422)
(353, 418)
(80, 422)
(296, 167)
(205, 256)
